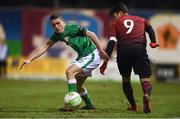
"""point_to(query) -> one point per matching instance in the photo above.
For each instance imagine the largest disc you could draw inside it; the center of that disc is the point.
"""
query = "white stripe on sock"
(72, 81)
(83, 92)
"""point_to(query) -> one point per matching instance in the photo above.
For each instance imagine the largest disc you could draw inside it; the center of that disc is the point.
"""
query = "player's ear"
(120, 13)
(113, 15)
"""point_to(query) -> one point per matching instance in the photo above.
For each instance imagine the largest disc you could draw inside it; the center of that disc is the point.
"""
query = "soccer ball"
(72, 99)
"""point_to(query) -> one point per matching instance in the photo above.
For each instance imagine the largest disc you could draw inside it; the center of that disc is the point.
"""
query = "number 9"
(129, 24)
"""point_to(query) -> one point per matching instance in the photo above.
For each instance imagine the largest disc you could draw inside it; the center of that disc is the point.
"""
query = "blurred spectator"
(3, 54)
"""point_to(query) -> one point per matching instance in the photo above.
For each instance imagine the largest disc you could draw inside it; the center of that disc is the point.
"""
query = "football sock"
(72, 85)
(147, 87)
(128, 91)
(85, 96)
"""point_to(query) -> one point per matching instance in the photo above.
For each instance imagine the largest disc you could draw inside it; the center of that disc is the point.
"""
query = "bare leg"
(70, 74)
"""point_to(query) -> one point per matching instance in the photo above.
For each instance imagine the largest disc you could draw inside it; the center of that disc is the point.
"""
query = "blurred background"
(24, 26)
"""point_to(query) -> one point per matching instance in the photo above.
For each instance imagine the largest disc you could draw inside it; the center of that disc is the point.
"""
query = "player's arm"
(109, 50)
(96, 41)
(38, 52)
(110, 45)
(152, 35)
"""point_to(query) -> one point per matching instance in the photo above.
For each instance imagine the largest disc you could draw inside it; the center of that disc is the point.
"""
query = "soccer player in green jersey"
(89, 50)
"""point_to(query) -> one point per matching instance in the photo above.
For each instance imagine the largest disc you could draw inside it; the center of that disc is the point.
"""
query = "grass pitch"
(41, 99)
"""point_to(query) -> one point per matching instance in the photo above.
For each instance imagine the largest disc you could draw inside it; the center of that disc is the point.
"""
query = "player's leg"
(143, 69)
(147, 88)
(125, 68)
(78, 67)
(88, 64)
(84, 66)
(70, 75)
(83, 92)
(128, 91)
(72, 83)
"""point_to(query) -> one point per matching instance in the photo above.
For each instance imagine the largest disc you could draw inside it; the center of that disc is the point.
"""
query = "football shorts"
(89, 63)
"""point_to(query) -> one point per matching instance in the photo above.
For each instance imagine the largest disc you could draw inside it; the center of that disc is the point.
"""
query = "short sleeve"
(82, 31)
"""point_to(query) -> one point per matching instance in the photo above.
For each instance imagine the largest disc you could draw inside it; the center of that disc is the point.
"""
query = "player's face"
(58, 25)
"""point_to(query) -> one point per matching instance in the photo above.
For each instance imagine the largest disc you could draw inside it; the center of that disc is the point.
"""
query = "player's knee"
(69, 72)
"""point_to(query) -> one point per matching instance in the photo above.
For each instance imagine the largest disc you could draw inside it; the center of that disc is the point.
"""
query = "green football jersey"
(74, 36)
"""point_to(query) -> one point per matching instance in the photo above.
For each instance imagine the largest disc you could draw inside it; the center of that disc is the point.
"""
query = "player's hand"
(154, 45)
(104, 55)
(24, 63)
(103, 67)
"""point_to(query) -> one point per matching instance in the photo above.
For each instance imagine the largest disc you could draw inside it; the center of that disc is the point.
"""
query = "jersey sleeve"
(150, 31)
(112, 29)
(76, 30)
(147, 23)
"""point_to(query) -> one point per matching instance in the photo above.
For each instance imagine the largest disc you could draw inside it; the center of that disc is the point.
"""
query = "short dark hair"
(120, 7)
(55, 16)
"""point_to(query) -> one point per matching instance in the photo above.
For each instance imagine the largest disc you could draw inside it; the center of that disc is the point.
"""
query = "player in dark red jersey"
(129, 33)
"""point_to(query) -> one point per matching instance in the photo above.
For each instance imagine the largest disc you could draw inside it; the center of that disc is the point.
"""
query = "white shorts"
(89, 63)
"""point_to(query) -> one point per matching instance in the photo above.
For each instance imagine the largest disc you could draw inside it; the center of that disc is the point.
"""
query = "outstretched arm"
(94, 38)
(38, 52)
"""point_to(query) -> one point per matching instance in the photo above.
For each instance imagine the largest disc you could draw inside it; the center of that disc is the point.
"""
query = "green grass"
(33, 99)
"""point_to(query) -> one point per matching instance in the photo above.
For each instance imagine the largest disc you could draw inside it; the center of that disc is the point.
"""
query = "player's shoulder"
(72, 24)
(136, 17)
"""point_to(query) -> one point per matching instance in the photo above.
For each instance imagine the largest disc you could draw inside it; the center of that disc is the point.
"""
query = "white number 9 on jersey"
(129, 24)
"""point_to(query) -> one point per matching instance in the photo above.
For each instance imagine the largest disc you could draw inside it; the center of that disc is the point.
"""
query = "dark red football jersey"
(129, 30)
